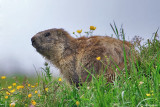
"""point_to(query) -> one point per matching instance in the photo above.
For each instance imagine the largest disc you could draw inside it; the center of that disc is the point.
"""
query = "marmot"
(73, 56)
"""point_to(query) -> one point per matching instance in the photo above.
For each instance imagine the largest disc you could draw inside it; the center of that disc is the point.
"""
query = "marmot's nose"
(33, 40)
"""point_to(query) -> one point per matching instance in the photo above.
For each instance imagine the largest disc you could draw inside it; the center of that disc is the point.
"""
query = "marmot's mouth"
(36, 45)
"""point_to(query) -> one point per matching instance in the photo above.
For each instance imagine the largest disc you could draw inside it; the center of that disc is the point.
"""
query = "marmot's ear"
(64, 35)
(60, 32)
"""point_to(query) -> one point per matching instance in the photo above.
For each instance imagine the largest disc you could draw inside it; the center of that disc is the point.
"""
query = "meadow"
(139, 86)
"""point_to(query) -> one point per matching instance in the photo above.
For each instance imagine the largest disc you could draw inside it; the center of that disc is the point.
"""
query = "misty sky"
(21, 19)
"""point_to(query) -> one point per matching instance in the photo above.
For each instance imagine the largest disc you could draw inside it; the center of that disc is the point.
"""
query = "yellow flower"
(9, 87)
(29, 85)
(32, 86)
(77, 103)
(6, 97)
(92, 28)
(36, 92)
(19, 87)
(36, 84)
(33, 102)
(12, 105)
(14, 84)
(148, 95)
(46, 89)
(8, 93)
(12, 91)
(59, 79)
(29, 95)
(79, 31)
(98, 58)
(3, 77)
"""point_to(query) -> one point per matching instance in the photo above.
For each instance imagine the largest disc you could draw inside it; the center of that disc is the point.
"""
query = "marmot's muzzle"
(33, 41)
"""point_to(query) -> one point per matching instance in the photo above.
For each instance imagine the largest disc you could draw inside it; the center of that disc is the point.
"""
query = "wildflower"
(32, 86)
(36, 84)
(29, 95)
(60, 79)
(14, 84)
(33, 102)
(77, 103)
(22, 87)
(148, 95)
(36, 92)
(92, 28)
(6, 97)
(12, 91)
(19, 87)
(88, 88)
(12, 105)
(141, 82)
(98, 58)
(8, 93)
(9, 87)
(79, 31)
(46, 89)
(3, 77)
(29, 85)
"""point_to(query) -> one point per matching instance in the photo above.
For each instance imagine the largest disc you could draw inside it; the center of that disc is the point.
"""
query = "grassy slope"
(140, 88)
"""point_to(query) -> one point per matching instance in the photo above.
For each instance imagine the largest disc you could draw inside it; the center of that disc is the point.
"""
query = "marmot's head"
(51, 43)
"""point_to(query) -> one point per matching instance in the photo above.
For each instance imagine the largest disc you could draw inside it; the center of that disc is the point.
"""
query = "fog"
(22, 19)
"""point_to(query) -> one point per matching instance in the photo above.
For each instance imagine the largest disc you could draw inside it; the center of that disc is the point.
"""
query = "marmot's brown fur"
(73, 56)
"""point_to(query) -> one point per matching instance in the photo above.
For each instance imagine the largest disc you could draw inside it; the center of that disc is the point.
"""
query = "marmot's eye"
(47, 34)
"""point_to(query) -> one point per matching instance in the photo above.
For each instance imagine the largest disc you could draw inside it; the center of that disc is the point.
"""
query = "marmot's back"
(110, 50)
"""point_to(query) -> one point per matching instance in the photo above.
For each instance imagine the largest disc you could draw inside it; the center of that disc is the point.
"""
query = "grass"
(138, 87)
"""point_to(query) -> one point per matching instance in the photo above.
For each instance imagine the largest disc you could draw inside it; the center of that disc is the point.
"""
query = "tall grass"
(140, 85)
